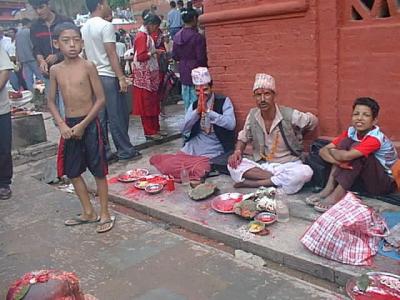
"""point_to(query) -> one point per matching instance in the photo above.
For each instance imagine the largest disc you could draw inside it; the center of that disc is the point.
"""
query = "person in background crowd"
(362, 155)
(99, 39)
(6, 167)
(42, 40)
(24, 51)
(164, 24)
(189, 49)
(210, 123)
(276, 134)
(5, 42)
(159, 43)
(120, 46)
(180, 5)
(16, 79)
(153, 9)
(174, 19)
(146, 77)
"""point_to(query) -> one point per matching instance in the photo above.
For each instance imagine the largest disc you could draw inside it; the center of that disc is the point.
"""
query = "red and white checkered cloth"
(343, 233)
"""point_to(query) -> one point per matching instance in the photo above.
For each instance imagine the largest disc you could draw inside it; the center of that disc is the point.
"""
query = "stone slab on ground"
(136, 260)
(281, 246)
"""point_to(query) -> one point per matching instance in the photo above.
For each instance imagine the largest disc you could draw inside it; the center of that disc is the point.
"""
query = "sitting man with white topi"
(276, 134)
(209, 128)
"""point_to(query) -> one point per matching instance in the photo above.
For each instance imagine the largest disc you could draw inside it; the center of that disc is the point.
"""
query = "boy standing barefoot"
(81, 145)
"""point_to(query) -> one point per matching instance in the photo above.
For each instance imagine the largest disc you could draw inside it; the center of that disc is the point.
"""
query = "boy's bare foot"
(82, 219)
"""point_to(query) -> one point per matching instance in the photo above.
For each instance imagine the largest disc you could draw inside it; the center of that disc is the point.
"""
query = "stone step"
(281, 246)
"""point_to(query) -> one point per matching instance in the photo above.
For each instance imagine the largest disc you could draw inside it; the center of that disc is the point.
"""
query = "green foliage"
(121, 3)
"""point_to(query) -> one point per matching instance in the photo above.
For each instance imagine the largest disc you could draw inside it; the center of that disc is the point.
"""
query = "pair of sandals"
(318, 205)
(101, 226)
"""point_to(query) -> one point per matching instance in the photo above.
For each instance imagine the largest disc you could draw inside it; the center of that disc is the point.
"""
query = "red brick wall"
(321, 59)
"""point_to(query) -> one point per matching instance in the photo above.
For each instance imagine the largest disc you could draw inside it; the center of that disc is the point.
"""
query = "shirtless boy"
(81, 145)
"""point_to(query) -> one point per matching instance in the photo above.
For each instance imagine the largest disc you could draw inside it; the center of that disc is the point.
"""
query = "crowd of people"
(56, 48)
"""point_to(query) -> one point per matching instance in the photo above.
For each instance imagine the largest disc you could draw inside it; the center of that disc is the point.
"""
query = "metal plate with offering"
(133, 175)
(225, 203)
(256, 226)
(154, 188)
(266, 218)
(374, 285)
(150, 179)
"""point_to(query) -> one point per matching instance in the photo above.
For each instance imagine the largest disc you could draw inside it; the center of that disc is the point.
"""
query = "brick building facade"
(323, 54)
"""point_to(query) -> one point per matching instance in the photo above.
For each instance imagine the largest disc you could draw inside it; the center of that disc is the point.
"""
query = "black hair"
(180, 2)
(65, 26)
(117, 37)
(13, 29)
(189, 5)
(151, 19)
(145, 12)
(92, 4)
(188, 15)
(172, 4)
(26, 21)
(37, 3)
(371, 103)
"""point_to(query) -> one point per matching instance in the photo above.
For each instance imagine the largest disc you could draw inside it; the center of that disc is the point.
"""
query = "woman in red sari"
(146, 78)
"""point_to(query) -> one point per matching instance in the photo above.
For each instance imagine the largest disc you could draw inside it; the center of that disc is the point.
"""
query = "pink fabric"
(172, 164)
(344, 233)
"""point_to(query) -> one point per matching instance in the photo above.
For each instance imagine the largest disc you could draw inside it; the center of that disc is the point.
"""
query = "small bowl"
(141, 184)
(266, 218)
(154, 188)
(256, 226)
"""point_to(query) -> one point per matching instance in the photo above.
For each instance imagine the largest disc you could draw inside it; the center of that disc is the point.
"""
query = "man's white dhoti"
(289, 176)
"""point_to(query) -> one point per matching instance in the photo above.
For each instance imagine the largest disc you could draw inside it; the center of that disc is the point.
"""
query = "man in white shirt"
(5, 43)
(6, 168)
(99, 40)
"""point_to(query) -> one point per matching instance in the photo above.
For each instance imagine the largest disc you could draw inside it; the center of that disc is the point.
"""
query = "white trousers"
(290, 176)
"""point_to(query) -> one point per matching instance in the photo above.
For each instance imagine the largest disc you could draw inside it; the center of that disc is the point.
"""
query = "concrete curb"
(34, 153)
(291, 260)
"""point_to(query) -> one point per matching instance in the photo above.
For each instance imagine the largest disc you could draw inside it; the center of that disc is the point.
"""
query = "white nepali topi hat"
(201, 76)
(264, 81)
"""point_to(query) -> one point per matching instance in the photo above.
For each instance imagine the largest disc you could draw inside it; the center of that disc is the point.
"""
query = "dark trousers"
(6, 167)
(116, 115)
(367, 172)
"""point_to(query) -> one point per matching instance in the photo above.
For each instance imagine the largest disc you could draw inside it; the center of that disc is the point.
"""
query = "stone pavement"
(281, 246)
(137, 260)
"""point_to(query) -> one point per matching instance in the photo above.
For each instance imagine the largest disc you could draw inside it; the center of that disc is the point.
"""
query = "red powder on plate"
(112, 180)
